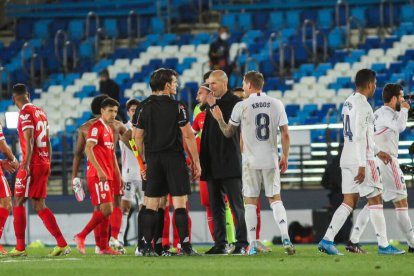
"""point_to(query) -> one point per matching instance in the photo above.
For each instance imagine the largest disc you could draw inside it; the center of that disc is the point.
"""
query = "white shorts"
(254, 180)
(133, 190)
(371, 185)
(393, 181)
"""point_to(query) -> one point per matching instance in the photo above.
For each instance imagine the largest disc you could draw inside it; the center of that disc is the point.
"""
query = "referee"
(221, 167)
(162, 124)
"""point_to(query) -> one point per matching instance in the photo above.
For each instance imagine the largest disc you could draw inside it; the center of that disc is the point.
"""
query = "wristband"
(212, 106)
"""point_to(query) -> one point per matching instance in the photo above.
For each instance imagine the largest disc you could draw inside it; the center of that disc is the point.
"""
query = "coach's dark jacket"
(220, 157)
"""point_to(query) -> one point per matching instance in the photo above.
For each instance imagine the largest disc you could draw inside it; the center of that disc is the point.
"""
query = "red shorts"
(205, 201)
(33, 185)
(4, 187)
(116, 187)
(101, 192)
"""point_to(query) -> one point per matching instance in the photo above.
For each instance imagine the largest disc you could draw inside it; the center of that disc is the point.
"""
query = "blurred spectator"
(219, 52)
(108, 86)
(239, 92)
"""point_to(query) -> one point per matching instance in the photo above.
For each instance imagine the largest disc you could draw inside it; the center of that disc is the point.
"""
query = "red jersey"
(103, 136)
(197, 126)
(31, 116)
(1, 138)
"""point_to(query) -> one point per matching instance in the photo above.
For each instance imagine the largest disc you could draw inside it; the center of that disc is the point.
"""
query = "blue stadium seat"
(292, 110)
(86, 49)
(171, 63)
(359, 14)
(407, 13)
(276, 21)
(325, 18)
(293, 19)
(111, 28)
(245, 22)
(76, 30)
(41, 29)
(229, 20)
(260, 20)
(336, 38)
(379, 67)
(157, 25)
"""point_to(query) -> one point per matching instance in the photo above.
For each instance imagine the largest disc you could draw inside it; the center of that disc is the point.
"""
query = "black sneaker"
(355, 248)
(239, 250)
(410, 249)
(148, 251)
(187, 250)
(217, 250)
(158, 249)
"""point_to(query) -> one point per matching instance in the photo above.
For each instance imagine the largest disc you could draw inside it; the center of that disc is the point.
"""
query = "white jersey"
(260, 116)
(388, 126)
(130, 168)
(358, 130)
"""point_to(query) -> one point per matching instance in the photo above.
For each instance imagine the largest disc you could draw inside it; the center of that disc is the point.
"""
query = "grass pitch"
(307, 261)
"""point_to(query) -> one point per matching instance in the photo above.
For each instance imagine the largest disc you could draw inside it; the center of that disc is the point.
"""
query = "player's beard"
(398, 107)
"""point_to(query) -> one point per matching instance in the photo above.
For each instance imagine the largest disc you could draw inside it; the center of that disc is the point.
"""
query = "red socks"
(4, 214)
(258, 221)
(116, 221)
(49, 221)
(19, 214)
(166, 230)
(97, 234)
(97, 218)
(104, 232)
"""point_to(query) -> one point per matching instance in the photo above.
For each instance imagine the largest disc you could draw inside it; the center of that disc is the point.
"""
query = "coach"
(220, 159)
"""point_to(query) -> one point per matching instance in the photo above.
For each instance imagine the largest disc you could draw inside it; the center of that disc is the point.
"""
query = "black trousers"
(233, 188)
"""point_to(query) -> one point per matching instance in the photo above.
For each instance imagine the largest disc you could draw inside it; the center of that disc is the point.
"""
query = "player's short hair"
(96, 104)
(238, 89)
(364, 77)
(255, 79)
(160, 78)
(19, 89)
(109, 102)
(104, 73)
(207, 75)
(390, 90)
(132, 102)
(223, 28)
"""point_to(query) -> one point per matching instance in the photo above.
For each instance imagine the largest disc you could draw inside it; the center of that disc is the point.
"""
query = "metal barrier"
(339, 4)
(270, 43)
(3, 70)
(99, 34)
(361, 32)
(65, 63)
(131, 15)
(325, 44)
(87, 22)
(282, 49)
(382, 29)
(312, 52)
(63, 34)
(33, 57)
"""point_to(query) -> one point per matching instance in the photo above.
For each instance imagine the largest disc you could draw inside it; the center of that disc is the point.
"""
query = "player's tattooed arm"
(126, 137)
(227, 129)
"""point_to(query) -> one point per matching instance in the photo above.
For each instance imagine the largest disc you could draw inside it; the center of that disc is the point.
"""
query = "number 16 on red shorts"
(101, 192)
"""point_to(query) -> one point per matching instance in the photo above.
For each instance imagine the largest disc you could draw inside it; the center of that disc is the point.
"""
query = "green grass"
(307, 261)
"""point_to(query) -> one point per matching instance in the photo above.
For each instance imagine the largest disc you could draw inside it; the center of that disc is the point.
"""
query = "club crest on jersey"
(38, 113)
(103, 196)
(348, 105)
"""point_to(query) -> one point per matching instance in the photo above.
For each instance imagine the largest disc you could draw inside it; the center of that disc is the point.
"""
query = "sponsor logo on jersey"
(39, 112)
(109, 145)
(19, 184)
(348, 105)
(24, 117)
(94, 131)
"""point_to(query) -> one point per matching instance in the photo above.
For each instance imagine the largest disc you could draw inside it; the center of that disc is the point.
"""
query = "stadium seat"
(157, 25)
(111, 28)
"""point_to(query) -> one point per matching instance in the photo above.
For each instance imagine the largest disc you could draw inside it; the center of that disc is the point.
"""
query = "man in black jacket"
(220, 159)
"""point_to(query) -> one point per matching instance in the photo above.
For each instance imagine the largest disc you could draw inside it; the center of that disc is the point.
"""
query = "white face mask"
(224, 36)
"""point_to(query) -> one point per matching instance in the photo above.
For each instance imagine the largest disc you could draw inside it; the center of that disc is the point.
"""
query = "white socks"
(251, 221)
(405, 225)
(279, 214)
(338, 220)
(361, 223)
(376, 214)
(123, 227)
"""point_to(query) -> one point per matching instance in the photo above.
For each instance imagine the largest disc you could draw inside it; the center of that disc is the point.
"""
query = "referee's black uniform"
(220, 159)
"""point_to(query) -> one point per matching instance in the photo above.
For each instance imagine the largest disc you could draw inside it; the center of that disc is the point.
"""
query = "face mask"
(224, 36)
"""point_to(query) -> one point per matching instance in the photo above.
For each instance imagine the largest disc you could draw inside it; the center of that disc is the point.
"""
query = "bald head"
(218, 83)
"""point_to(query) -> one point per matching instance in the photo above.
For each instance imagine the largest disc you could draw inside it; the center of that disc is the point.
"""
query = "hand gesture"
(283, 164)
(26, 168)
(211, 100)
(385, 157)
(360, 176)
(216, 112)
(196, 170)
(102, 176)
(405, 104)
